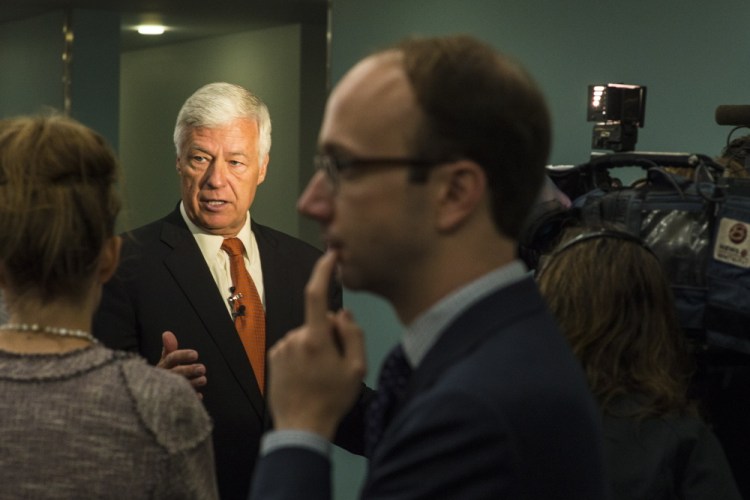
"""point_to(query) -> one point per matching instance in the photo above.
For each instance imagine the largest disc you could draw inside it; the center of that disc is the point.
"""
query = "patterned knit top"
(96, 423)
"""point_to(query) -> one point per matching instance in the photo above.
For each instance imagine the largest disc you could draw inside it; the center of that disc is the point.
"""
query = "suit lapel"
(278, 303)
(190, 271)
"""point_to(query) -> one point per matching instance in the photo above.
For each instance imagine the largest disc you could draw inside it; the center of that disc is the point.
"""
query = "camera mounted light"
(618, 110)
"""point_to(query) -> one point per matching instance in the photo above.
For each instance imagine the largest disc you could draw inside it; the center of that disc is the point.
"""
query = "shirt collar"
(426, 329)
(210, 244)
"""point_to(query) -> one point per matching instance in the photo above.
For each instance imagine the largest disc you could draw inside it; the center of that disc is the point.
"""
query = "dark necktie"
(394, 377)
(247, 309)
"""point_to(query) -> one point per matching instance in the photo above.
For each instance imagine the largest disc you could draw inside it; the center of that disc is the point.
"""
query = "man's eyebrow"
(194, 147)
(334, 150)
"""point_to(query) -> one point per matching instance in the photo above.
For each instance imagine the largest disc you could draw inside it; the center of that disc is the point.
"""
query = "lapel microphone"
(233, 298)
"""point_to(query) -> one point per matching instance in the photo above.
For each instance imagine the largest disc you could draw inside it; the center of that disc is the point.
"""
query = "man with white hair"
(206, 290)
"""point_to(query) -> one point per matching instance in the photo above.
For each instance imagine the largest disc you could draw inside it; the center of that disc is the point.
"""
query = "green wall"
(692, 56)
(95, 89)
(32, 69)
(31, 80)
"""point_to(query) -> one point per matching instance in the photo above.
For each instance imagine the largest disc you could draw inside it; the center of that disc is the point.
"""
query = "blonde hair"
(58, 205)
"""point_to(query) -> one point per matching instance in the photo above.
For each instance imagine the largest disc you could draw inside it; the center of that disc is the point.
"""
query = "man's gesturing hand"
(181, 361)
(316, 371)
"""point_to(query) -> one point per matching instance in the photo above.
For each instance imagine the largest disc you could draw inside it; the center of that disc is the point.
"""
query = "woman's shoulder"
(167, 405)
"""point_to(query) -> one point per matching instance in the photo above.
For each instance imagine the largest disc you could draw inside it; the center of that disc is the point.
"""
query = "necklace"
(52, 330)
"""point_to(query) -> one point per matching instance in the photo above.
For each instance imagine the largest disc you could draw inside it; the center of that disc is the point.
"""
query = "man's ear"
(263, 168)
(462, 191)
(109, 258)
(177, 165)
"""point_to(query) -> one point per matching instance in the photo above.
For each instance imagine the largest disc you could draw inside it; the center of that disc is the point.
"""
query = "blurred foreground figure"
(432, 154)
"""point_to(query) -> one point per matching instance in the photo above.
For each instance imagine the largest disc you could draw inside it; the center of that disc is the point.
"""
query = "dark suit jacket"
(163, 283)
(498, 409)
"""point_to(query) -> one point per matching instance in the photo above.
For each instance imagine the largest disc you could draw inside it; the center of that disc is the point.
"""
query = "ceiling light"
(151, 29)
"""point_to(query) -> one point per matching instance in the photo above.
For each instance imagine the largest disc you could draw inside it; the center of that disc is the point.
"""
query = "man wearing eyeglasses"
(177, 275)
(432, 155)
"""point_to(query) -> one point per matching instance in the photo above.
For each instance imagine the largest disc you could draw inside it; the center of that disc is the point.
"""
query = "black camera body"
(619, 110)
(618, 137)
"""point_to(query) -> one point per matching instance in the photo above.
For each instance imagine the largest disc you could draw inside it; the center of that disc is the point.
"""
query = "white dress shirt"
(218, 260)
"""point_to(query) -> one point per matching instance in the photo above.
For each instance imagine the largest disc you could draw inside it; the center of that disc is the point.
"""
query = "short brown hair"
(58, 204)
(481, 105)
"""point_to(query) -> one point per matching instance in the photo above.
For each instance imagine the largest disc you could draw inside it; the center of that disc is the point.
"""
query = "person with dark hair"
(615, 306)
(206, 290)
(431, 155)
(79, 420)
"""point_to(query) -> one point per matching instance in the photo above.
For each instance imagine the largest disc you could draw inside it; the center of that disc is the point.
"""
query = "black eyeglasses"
(334, 166)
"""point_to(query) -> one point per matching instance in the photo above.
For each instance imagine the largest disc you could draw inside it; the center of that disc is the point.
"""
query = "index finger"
(316, 291)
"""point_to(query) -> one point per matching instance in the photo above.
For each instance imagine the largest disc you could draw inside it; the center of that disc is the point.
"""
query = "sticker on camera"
(733, 243)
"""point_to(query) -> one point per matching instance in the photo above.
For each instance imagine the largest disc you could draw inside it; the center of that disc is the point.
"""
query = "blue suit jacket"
(498, 409)
(164, 283)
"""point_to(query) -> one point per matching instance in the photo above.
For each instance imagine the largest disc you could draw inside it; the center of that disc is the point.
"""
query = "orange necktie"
(247, 309)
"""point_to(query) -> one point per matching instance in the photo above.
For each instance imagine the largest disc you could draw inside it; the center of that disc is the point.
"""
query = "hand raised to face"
(316, 371)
